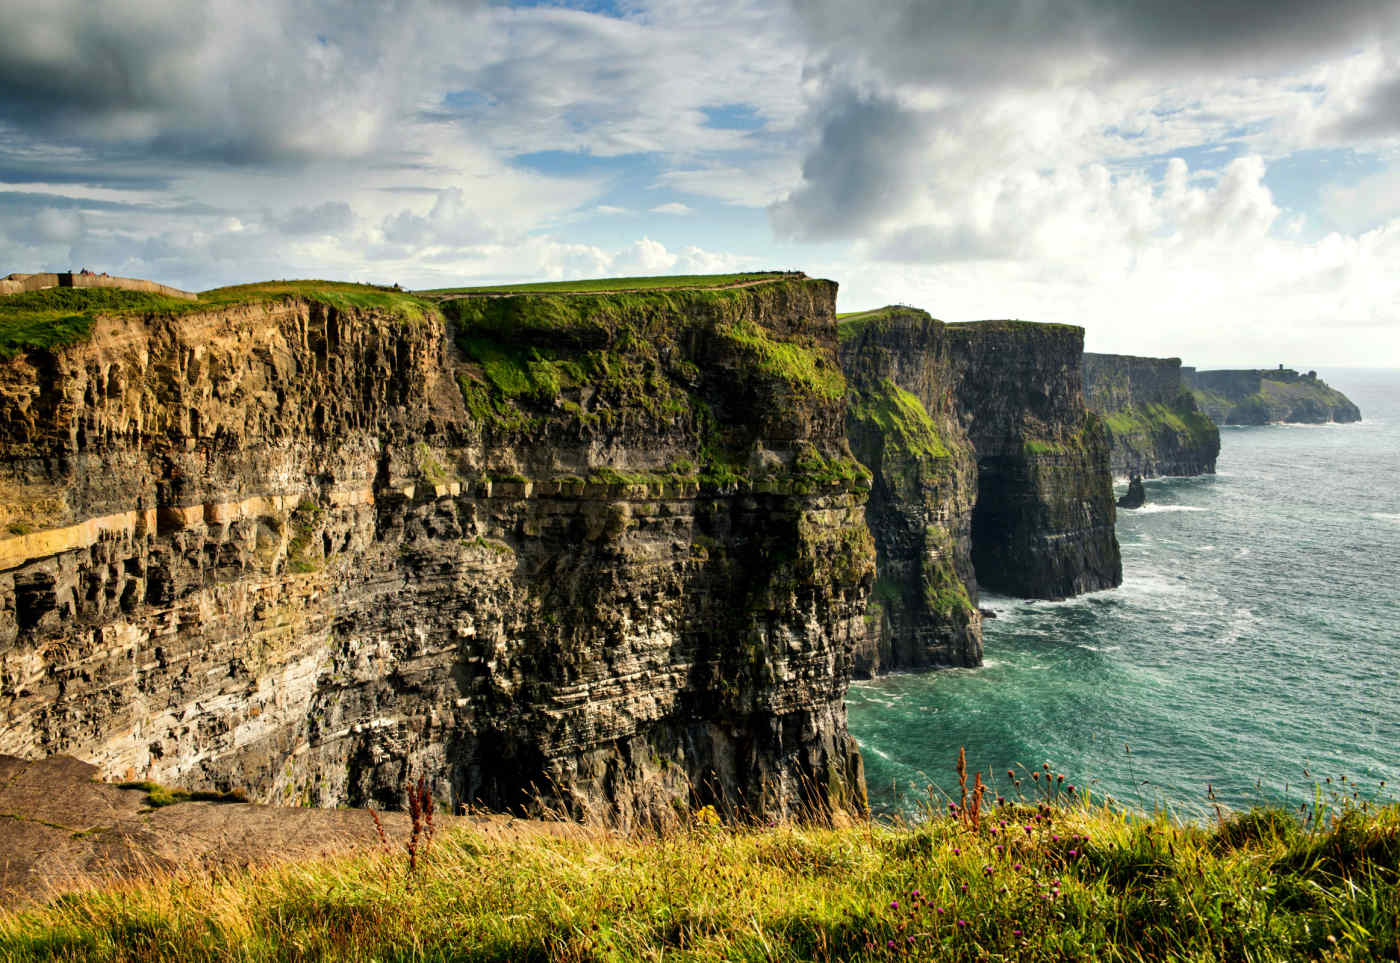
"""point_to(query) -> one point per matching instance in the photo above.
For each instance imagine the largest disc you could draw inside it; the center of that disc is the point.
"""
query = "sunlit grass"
(1025, 882)
(603, 285)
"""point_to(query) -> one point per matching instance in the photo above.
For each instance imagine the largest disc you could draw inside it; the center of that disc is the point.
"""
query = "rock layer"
(987, 469)
(903, 425)
(596, 553)
(1043, 526)
(1268, 396)
(1154, 426)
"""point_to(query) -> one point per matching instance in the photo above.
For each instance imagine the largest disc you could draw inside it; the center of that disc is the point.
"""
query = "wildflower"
(963, 887)
(957, 851)
(894, 904)
(962, 922)
(915, 894)
(1015, 932)
(889, 944)
(1074, 852)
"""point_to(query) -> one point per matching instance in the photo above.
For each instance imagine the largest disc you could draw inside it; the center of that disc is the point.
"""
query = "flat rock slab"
(61, 829)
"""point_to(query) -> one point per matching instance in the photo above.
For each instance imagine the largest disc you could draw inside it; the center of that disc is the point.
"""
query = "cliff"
(1043, 525)
(986, 469)
(1154, 427)
(597, 553)
(1266, 396)
(903, 425)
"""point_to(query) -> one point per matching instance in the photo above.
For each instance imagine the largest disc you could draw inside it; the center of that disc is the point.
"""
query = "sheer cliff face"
(987, 469)
(1154, 426)
(1267, 396)
(603, 552)
(903, 425)
(1043, 526)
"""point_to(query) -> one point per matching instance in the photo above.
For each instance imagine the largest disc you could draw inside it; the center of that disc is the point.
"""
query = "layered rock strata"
(1043, 525)
(598, 554)
(903, 425)
(1154, 426)
(987, 469)
(1268, 396)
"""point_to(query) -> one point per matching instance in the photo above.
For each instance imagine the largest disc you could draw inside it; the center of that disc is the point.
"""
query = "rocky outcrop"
(1268, 396)
(595, 553)
(903, 424)
(1135, 496)
(1043, 525)
(986, 469)
(1154, 426)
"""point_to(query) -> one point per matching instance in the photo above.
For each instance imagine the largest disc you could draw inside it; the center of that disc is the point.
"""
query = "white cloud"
(674, 207)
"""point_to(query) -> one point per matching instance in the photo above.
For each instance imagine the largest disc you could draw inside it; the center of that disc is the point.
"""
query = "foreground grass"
(1028, 884)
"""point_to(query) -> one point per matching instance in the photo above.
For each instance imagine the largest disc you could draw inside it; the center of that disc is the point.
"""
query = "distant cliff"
(1154, 426)
(1261, 396)
(986, 468)
(1043, 526)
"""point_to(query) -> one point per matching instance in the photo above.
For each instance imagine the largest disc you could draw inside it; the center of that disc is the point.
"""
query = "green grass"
(159, 796)
(1027, 882)
(59, 316)
(606, 285)
(900, 418)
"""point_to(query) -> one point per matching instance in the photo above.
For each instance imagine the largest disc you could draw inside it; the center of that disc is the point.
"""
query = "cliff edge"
(1268, 396)
(1154, 426)
(987, 470)
(595, 553)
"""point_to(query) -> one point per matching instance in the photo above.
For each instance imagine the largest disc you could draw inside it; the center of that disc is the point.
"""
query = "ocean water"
(1252, 652)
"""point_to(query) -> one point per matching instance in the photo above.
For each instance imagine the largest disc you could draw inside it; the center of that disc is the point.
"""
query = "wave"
(1387, 516)
(1150, 509)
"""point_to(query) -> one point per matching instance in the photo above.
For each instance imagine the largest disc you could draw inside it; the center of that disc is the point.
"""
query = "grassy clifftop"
(1018, 882)
(55, 317)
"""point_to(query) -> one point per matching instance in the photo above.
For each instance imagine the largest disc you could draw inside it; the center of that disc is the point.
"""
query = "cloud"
(452, 222)
(1369, 203)
(332, 217)
(997, 43)
(674, 207)
(251, 82)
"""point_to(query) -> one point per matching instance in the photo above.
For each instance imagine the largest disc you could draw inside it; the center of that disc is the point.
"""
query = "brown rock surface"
(61, 830)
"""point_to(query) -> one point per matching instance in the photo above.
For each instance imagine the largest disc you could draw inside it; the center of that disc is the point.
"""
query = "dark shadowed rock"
(1136, 495)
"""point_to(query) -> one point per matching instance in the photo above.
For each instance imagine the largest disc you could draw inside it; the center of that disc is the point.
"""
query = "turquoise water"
(1253, 649)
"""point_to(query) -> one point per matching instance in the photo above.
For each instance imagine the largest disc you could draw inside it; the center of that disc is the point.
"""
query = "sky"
(1218, 181)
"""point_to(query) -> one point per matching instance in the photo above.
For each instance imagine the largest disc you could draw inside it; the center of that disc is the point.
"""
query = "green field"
(609, 285)
(1026, 881)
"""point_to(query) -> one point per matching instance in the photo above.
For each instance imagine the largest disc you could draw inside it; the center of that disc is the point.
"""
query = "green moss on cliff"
(899, 417)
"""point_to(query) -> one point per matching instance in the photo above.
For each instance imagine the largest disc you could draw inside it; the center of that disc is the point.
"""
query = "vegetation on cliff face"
(1020, 881)
(921, 612)
(607, 359)
(1259, 397)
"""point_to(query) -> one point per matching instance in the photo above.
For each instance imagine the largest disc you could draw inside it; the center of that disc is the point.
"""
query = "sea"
(1251, 656)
